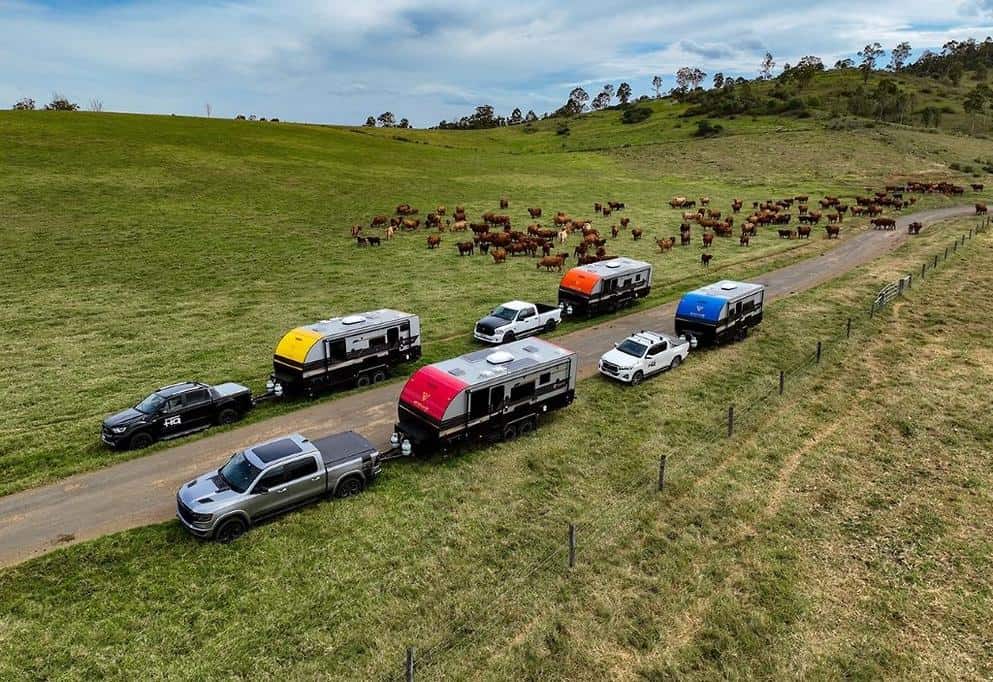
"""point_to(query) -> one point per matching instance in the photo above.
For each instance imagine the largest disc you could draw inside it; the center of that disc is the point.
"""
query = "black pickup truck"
(174, 411)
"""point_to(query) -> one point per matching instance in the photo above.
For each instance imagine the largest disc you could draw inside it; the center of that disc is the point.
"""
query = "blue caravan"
(720, 312)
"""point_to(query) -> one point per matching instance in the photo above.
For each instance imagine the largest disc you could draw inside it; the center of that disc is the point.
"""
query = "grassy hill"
(842, 532)
(141, 250)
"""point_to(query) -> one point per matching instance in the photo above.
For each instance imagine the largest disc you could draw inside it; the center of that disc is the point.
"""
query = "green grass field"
(842, 532)
(144, 250)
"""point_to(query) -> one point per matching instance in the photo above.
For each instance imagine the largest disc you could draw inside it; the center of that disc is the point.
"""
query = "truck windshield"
(239, 472)
(503, 313)
(151, 404)
(633, 348)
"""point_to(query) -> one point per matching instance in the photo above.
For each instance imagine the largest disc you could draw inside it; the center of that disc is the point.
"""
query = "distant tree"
(898, 55)
(371, 122)
(975, 103)
(608, 89)
(869, 54)
(601, 101)
(241, 117)
(980, 72)
(516, 117)
(577, 100)
(805, 70)
(404, 123)
(24, 104)
(208, 108)
(955, 72)
(387, 119)
(624, 93)
(766, 67)
(930, 116)
(689, 78)
(252, 117)
(96, 105)
(531, 116)
(61, 103)
(845, 63)
(718, 80)
(657, 84)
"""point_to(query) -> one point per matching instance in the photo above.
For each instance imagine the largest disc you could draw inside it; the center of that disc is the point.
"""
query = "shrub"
(24, 104)
(955, 165)
(947, 109)
(562, 129)
(61, 103)
(240, 117)
(635, 114)
(705, 128)
(529, 129)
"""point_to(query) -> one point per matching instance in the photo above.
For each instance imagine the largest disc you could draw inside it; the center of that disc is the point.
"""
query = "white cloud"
(341, 60)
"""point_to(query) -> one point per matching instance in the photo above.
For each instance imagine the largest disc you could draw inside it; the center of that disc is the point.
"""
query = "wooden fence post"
(848, 329)
(409, 667)
(946, 253)
(730, 420)
(782, 381)
(818, 352)
(572, 545)
(935, 262)
(661, 472)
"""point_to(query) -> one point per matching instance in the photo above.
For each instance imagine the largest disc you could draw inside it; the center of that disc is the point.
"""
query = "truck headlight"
(395, 439)
(405, 447)
(202, 518)
(119, 429)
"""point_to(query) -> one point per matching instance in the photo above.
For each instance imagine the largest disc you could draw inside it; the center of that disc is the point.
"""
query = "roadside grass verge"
(842, 531)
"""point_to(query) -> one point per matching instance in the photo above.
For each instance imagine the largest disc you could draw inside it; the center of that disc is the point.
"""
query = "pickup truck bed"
(343, 446)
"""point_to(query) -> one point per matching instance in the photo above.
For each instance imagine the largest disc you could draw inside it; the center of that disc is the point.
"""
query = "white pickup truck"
(516, 319)
(643, 354)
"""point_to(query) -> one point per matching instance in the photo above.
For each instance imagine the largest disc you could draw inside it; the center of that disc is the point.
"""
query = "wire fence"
(615, 521)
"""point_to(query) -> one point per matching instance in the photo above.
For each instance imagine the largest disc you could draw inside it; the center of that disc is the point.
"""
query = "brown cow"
(361, 241)
(981, 208)
(379, 220)
(504, 202)
(786, 233)
(355, 230)
(665, 244)
(460, 226)
(915, 227)
(833, 231)
(636, 233)
(744, 239)
(374, 241)
(499, 255)
(534, 212)
(433, 241)
(977, 186)
(803, 232)
(685, 239)
(708, 239)
(705, 258)
(614, 231)
(390, 231)
(597, 207)
(410, 223)
(466, 248)
(883, 223)
(736, 205)
(549, 262)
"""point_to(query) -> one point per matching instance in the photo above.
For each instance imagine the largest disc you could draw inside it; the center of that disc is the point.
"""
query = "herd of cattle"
(495, 236)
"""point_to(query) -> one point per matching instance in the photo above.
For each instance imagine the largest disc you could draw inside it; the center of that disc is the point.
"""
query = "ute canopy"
(702, 308)
(431, 390)
(580, 280)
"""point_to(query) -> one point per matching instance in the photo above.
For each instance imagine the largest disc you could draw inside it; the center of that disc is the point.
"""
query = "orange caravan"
(604, 286)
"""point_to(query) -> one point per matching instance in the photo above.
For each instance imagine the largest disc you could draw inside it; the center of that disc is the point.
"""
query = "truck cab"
(643, 354)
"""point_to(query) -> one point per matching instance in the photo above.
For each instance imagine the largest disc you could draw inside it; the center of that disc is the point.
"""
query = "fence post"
(730, 420)
(572, 545)
(910, 280)
(818, 352)
(872, 310)
(935, 261)
(955, 244)
(946, 253)
(782, 381)
(661, 472)
(409, 667)
(923, 269)
(848, 329)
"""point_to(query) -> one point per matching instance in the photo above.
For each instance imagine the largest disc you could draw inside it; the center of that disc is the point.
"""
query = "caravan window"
(545, 378)
(377, 343)
(522, 391)
(336, 350)
(478, 404)
(497, 395)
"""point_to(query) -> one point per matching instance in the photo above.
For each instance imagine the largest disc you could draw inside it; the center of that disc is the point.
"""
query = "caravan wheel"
(509, 432)
(378, 377)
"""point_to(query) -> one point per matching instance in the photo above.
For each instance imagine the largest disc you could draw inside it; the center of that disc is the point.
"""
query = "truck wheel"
(509, 432)
(140, 440)
(227, 416)
(379, 377)
(675, 362)
(509, 337)
(231, 530)
(636, 379)
(362, 381)
(526, 428)
(349, 487)
(551, 325)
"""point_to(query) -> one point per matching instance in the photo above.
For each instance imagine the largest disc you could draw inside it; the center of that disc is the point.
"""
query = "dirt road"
(142, 491)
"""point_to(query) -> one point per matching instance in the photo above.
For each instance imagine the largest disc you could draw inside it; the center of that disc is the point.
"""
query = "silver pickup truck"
(273, 477)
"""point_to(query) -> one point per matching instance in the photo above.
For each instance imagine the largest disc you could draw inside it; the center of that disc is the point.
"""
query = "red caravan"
(488, 394)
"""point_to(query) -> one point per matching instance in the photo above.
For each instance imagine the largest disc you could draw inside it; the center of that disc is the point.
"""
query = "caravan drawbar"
(355, 350)
(487, 394)
(720, 312)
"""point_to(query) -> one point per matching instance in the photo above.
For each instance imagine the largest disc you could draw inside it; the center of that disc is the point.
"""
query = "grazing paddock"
(843, 532)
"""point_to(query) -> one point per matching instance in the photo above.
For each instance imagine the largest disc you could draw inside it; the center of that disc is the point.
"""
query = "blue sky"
(338, 61)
